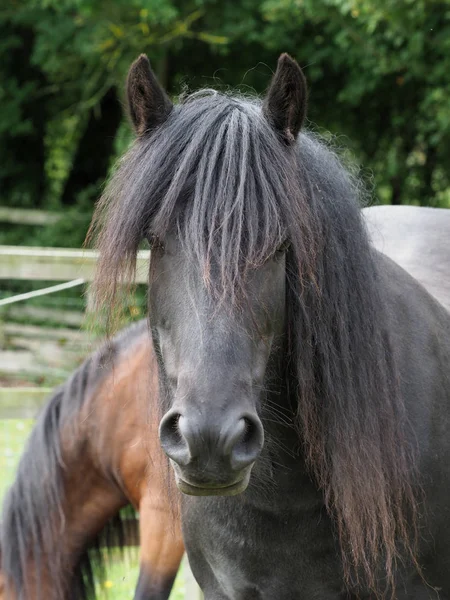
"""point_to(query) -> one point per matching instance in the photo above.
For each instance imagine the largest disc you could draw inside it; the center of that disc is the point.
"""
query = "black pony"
(304, 377)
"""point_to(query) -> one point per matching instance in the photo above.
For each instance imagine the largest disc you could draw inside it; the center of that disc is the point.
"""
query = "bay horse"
(89, 455)
(303, 376)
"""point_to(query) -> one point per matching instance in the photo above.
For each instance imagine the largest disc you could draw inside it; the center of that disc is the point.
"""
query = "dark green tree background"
(378, 70)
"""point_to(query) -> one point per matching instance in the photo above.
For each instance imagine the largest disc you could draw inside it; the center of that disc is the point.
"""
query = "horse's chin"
(213, 490)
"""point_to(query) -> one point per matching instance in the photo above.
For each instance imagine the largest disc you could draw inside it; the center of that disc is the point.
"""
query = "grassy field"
(121, 579)
(13, 434)
(121, 574)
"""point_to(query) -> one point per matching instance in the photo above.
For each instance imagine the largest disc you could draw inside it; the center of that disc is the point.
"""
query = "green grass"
(13, 435)
(121, 573)
(121, 577)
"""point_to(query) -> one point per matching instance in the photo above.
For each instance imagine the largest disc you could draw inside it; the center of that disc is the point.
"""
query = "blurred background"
(378, 72)
(379, 79)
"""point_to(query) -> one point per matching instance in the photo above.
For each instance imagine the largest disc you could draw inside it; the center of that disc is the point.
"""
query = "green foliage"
(75, 51)
(378, 72)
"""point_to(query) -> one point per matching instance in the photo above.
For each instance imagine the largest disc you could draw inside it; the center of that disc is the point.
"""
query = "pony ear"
(148, 103)
(285, 102)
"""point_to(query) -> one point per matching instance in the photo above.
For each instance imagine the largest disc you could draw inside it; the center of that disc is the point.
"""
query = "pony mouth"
(212, 490)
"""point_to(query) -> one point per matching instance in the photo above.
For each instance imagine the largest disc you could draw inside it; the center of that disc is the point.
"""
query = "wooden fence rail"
(57, 264)
(25, 216)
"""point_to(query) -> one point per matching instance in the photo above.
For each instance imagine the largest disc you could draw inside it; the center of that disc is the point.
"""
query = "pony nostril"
(249, 443)
(172, 440)
(249, 432)
(172, 429)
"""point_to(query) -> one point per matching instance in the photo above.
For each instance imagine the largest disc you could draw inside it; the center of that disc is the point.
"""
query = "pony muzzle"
(212, 456)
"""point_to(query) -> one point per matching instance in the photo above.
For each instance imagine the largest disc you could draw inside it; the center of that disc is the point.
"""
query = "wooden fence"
(54, 264)
(31, 216)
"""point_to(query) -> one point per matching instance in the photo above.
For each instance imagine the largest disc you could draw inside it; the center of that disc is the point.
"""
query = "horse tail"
(33, 518)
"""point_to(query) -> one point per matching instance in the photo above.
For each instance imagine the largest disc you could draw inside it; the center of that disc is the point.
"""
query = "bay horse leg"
(2, 583)
(161, 549)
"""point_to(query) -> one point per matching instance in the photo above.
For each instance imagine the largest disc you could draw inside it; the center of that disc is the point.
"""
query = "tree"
(377, 71)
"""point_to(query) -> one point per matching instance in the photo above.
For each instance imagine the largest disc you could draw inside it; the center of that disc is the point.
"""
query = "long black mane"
(32, 523)
(217, 172)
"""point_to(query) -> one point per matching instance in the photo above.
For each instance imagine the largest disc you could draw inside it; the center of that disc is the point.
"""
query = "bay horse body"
(303, 375)
(89, 455)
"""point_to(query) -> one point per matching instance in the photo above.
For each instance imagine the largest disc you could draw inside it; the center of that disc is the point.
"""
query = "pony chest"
(275, 574)
(254, 555)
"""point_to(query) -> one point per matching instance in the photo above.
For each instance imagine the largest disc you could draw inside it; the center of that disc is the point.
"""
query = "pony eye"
(283, 247)
(155, 243)
(279, 253)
